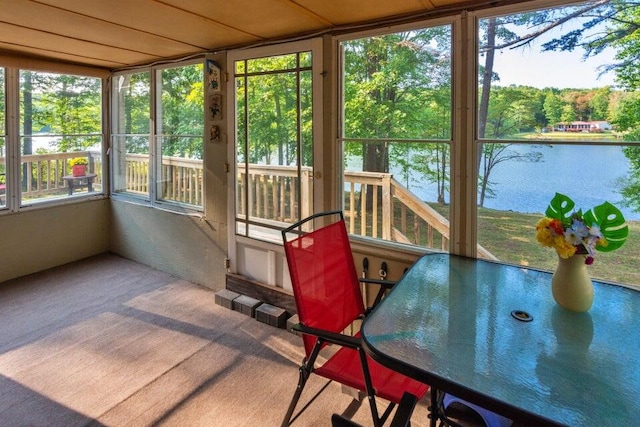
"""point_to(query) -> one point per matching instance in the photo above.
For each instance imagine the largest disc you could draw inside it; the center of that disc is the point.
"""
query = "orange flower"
(556, 226)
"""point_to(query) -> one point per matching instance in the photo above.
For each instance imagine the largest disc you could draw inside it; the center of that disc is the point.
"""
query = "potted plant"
(79, 166)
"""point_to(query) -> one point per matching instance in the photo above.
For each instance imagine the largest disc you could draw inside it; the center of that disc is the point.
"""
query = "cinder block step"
(246, 305)
(225, 298)
(271, 315)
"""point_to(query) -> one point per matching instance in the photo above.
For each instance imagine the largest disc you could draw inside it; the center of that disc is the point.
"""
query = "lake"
(589, 175)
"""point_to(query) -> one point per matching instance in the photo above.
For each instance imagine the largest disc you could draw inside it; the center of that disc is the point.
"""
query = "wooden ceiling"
(116, 34)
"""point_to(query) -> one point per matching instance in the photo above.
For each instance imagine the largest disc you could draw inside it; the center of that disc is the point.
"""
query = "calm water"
(588, 175)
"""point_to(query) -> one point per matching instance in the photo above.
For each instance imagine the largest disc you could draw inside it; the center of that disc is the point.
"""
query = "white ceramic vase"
(571, 284)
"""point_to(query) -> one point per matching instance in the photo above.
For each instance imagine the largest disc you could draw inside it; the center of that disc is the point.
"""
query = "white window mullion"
(464, 150)
(154, 166)
(12, 160)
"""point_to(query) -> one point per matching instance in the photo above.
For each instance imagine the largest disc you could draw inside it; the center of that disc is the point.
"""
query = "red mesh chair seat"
(345, 367)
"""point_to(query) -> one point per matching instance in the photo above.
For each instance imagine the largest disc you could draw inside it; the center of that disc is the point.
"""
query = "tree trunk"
(483, 110)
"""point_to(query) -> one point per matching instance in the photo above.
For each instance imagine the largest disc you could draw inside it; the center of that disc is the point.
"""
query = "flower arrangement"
(78, 161)
(570, 232)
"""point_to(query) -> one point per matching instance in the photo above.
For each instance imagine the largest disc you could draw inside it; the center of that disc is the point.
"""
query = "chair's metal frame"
(402, 417)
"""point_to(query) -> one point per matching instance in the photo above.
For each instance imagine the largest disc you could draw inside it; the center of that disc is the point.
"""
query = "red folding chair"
(327, 293)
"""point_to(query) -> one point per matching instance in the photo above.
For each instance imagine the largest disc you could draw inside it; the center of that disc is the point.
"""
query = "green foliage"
(553, 108)
(631, 184)
(270, 101)
(512, 110)
(61, 104)
(398, 86)
(612, 225)
(606, 216)
(182, 104)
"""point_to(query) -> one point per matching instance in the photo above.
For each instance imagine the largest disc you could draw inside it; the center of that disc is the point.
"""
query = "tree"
(621, 22)
(600, 103)
(618, 22)
(627, 118)
(397, 86)
(134, 111)
(568, 114)
(510, 111)
(180, 114)
(271, 101)
(489, 154)
(553, 108)
(63, 105)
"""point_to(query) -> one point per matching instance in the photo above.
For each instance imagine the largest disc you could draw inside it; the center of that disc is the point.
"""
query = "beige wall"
(178, 244)
(39, 239)
(193, 247)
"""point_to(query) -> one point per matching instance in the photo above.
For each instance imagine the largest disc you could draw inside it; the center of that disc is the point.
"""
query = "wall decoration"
(213, 75)
(214, 133)
(215, 106)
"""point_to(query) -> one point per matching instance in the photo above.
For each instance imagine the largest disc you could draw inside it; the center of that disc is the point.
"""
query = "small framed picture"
(215, 106)
(214, 133)
(213, 75)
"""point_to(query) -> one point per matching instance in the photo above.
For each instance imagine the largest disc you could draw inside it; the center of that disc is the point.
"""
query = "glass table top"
(449, 323)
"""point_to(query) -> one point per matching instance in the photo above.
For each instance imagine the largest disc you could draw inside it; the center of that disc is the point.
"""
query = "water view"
(528, 187)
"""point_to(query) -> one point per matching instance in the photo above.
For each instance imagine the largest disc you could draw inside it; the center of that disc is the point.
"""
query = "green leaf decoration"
(560, 208)
(612, 225)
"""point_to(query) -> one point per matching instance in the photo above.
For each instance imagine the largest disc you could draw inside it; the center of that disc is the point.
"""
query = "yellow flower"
(544, 234)
(543, 223)
(602, 242)
(564, 248)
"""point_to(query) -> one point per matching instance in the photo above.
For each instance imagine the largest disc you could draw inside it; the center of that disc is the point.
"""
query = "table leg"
(433, 410)
(89, 185)
(70, 189)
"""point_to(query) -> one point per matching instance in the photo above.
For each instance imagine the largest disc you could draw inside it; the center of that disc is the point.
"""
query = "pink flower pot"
(79, 170)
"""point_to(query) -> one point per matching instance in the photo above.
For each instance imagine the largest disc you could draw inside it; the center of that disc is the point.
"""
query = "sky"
(530, 67)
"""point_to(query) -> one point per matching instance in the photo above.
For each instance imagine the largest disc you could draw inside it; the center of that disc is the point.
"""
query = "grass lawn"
(511, 237)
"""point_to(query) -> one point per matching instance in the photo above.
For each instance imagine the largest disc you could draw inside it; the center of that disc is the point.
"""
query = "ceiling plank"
(54, 46)
(138, 32)
(158, 19)
(63, 23)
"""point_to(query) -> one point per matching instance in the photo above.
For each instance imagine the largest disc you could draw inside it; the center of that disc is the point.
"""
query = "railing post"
(387, 207)
(307, 200)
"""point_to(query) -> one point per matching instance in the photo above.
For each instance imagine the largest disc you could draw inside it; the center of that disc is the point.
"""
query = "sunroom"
(206, 128)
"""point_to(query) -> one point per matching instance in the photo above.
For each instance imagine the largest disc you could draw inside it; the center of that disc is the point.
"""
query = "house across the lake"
(580, 126)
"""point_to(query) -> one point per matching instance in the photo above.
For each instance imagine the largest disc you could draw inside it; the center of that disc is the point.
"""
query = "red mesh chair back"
(328, 299)
(324, 279)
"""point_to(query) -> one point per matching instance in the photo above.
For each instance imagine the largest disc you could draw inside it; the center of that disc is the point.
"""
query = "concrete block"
(246, 305)
(271, 315)
(225, 298)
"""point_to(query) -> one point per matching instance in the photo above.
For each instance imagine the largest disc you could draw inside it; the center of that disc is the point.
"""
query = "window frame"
(454, 141)
(315, 47)
(154, 181)
(13, 135)
(475, 142)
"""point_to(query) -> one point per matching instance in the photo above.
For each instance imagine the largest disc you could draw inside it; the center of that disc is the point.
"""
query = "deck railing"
(42, 174)
(375, 204)
(182, 179)
(270, 192)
